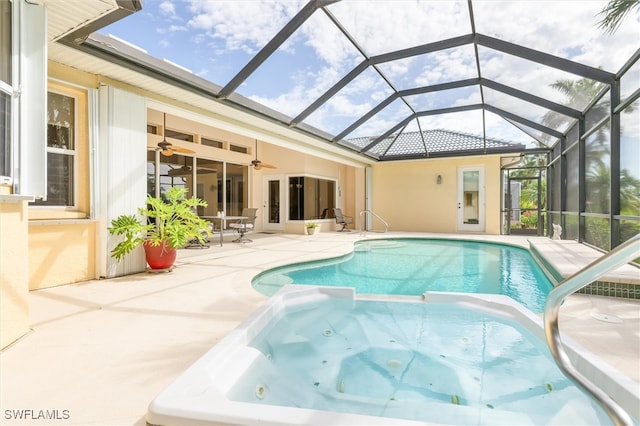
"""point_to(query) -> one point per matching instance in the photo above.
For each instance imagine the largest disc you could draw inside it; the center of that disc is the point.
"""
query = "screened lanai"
(405, 80)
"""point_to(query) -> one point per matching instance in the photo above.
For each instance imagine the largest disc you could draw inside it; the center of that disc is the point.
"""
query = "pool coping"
(563, 258)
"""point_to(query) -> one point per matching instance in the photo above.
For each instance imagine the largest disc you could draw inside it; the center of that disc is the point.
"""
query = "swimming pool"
(408, 266)
(321, 355)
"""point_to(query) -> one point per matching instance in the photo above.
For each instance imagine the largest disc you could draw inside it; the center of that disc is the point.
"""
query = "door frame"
(471, 227)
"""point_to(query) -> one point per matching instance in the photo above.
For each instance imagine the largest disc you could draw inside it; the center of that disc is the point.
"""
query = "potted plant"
(311, 227)
(161, 227)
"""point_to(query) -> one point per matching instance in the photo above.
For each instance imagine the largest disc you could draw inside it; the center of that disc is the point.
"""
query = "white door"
(471, 204)
(273, 213)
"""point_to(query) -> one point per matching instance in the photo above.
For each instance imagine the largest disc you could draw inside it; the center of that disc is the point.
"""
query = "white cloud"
(243, 25)
(167, 8)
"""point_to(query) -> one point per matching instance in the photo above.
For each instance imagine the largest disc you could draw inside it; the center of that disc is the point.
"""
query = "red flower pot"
(161, 256)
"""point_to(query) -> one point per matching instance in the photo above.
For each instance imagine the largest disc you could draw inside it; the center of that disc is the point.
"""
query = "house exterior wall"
(350, 183)
(407, 196)
(14, 261)
(62, 241)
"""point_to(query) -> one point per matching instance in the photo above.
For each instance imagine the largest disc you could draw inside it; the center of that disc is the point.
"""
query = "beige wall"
(61, 254)
(406, 194)
(292, 163)
(14, 261)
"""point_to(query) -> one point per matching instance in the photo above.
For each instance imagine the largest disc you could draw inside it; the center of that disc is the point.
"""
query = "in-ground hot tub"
(320, 355)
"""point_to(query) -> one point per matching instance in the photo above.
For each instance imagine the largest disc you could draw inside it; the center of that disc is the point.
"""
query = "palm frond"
(614, 12)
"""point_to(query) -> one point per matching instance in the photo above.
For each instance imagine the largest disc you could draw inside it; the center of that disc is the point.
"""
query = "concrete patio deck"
(100, 351)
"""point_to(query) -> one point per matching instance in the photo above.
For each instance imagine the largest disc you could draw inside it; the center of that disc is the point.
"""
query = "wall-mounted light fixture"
(439, 179)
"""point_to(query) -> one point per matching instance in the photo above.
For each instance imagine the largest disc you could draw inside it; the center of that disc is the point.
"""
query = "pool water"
(413, 266)
(438, 363)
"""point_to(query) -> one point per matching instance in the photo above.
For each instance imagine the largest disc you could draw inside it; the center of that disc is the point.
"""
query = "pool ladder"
(372, 213)
(619, 256)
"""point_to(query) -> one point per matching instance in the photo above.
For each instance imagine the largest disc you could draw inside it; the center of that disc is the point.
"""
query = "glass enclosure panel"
(570, 229)
(445, 98)
(311, 198)
(391, 115)
(597, 232)
(555, 183)
(540, 80)
(598, 171)
(550, 27)
(385, 26)
(527, 110)
(512, 130)
(630, 81)
(572, 180)
(443, 66)
(466, 127)
(226, 34)
(597, 112)
(316, 57)
(554, 218)
(628, 229)
(353, 101)
(629, 163)
(518, 136)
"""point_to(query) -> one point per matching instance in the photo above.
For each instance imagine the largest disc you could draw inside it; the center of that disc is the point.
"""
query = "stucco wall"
(61, 254)
(292, 163)
(407, 196)
(14, 285)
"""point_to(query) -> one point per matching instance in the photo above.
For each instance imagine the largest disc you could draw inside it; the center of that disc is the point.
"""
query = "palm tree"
(614, 12)
(578, 93)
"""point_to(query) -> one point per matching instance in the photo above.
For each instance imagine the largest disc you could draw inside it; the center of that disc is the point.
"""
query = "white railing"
(372, 213)
(619, 256)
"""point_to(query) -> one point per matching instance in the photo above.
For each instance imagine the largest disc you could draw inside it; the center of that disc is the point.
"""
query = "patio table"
(223, 221)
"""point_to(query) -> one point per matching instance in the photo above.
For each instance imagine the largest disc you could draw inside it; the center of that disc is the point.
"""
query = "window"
(61, 151)
(311, 198)
(6, 90)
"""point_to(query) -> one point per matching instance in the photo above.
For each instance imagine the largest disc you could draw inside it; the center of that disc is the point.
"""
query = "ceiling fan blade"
(257, 166)
(181, 149)
(268, 166)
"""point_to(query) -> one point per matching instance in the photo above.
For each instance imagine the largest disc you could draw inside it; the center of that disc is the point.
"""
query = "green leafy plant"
(529, 219)
(173, 221)
(311, 225)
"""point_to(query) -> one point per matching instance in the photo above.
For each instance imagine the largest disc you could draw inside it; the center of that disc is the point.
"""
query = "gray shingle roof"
(430, 142)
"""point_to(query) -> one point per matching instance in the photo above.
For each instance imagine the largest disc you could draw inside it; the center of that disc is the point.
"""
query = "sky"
(214, 39)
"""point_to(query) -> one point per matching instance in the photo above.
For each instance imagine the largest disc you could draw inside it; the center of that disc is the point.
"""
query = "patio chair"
(342, 220)
(243, 226)
(322, 215)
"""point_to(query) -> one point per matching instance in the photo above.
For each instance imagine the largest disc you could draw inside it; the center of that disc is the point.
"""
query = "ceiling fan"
(165, 147)
(257, 164)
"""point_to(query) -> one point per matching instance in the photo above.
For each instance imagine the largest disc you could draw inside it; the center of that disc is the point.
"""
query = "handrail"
(621, 255)
(371, 212)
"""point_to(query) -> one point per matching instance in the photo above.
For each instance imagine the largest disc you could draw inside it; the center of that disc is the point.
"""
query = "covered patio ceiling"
(384, 78)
